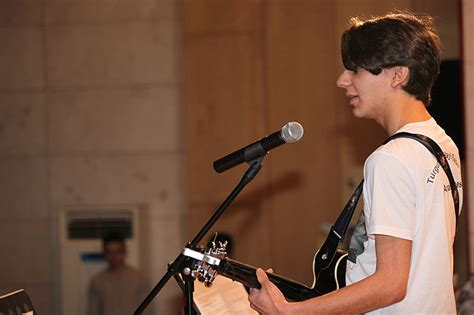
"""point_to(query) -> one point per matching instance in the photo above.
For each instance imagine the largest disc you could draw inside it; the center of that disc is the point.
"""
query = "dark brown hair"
(112, 236)
(395, 39)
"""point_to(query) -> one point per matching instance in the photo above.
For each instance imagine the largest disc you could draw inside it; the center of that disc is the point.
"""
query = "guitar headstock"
(206, 261)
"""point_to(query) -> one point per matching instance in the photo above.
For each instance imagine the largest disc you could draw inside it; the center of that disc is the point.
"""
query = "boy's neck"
(403, 113)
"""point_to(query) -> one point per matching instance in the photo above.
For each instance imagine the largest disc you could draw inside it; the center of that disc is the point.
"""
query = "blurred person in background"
(120, 288)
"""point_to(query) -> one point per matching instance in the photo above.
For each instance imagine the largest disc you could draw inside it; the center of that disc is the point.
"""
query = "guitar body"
(331, 275)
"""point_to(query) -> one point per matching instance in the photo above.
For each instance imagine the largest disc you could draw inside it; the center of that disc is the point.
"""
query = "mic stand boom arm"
(182, 261)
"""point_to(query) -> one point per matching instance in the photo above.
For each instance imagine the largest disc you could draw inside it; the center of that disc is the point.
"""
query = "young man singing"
(406, 262)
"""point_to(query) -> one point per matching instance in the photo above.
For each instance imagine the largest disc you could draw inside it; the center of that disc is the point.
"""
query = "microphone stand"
(182, 263)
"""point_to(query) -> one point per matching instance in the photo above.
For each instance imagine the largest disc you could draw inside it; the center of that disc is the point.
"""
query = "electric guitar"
(329, 263)
(213, 261)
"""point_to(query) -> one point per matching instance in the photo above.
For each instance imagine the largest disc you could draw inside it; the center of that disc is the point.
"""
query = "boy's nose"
(344, 79)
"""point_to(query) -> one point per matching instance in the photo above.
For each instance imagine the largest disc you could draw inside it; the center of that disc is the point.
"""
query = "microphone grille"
(292, 132)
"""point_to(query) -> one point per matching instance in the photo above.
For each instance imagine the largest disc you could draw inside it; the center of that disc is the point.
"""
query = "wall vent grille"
(87, 225)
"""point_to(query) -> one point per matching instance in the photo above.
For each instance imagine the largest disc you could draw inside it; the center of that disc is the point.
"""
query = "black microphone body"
(291, 132)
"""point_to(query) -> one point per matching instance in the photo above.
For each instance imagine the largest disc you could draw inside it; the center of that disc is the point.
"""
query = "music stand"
(17, 302)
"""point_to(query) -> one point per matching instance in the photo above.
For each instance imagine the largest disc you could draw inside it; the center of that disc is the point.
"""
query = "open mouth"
(353, 99)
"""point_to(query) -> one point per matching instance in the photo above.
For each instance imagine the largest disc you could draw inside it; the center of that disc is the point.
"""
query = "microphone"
(289, 133)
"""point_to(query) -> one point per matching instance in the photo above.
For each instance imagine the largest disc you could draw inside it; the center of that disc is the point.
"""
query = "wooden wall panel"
(468, 77)
(213, 17)
(222, 108)
(222, 83)
(300, 76)
(244, 76)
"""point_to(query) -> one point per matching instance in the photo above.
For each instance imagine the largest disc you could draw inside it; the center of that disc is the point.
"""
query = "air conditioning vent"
(92, 228)
(81, 230)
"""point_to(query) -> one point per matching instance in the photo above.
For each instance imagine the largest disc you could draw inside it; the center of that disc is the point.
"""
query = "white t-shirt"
(407, 195)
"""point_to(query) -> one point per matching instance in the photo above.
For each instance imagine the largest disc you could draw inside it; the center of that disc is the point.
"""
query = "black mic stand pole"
(181, 263)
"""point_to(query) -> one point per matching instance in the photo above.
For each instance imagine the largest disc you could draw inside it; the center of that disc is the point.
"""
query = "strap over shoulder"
(340, 226)
(434, 148)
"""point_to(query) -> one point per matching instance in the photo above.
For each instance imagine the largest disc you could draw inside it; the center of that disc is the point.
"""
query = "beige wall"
(89, 116)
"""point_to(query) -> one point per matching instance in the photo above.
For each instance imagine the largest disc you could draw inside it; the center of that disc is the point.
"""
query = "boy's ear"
(401, 75)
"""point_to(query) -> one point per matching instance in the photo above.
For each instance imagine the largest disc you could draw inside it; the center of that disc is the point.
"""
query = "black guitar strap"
(338, 230)
(434, 148)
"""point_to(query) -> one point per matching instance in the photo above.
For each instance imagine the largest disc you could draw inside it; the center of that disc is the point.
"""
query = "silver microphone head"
(292, 132)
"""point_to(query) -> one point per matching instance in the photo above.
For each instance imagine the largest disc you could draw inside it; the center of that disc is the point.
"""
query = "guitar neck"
(245, 274)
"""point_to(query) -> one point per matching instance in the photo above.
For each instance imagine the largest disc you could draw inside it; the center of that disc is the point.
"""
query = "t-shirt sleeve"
(389, 197)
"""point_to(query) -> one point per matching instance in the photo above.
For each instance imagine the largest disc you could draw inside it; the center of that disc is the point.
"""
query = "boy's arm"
(386, 286)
